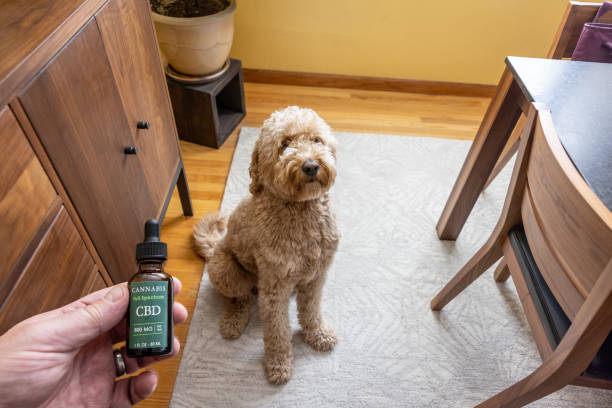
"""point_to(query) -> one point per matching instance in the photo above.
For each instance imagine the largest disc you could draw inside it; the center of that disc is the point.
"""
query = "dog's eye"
(285, 144)
(316, 140)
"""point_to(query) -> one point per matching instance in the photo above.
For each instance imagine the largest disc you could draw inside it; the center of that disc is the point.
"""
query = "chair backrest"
(576, 14)
(605, 17)
(568, 227)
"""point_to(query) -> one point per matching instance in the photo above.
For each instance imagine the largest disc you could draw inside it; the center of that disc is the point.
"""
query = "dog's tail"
(208, 232)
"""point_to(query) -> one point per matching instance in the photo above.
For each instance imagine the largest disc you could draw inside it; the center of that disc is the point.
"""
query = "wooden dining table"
(579, 96)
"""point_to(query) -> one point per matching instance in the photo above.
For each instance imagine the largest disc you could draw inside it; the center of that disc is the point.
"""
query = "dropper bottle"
(149, 328)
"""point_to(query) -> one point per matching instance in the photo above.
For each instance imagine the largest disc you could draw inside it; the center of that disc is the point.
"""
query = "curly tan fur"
(208, 232)
(280, 239)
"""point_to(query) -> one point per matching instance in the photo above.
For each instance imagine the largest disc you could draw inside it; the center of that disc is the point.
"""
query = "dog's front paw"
(322, 339)
(231, 327)
(278, 370)
(234, 318)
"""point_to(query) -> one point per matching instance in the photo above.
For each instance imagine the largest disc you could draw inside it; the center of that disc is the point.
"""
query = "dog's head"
(295, 156)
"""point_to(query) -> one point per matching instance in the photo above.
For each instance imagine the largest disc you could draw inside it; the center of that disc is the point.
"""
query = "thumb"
(80, 325)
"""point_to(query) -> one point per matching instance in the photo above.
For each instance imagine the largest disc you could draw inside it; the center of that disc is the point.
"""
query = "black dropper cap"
(152, 248)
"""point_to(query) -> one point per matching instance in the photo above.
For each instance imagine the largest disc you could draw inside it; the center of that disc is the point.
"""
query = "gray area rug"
(393, 351)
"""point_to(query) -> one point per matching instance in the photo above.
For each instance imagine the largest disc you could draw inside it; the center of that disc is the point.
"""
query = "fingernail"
(114, 294)
(149, 392)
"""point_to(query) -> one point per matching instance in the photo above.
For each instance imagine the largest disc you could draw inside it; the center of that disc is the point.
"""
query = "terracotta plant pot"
(196, 46)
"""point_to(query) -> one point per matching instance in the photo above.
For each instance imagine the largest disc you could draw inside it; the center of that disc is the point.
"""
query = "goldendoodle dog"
(280, 239)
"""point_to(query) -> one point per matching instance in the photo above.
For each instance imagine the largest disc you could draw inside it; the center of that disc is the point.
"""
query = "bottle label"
(148, 314)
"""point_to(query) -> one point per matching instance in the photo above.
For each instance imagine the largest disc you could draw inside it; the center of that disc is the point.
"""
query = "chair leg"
(511, 147)
(480, 262)
(542, 382)
(510, 216)
(502, 272)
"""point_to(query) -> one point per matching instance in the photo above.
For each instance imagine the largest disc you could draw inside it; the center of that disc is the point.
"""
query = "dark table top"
(579, 96)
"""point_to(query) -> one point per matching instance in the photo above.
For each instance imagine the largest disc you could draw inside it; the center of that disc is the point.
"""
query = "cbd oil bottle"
(149, 318)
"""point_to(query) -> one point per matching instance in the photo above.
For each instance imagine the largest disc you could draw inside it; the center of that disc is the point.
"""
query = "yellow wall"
(457, 41)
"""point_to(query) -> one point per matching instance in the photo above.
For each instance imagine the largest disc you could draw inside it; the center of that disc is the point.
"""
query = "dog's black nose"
(310, 167)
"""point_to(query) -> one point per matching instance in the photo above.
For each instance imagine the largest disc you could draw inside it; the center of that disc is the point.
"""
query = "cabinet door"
(60, 271)
(127, 29)
(28, 201)
(75, 108)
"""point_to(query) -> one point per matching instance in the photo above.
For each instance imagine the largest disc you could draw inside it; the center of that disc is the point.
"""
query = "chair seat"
(553, 318)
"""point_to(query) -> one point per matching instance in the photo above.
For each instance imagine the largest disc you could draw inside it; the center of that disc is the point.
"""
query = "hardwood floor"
(348, 110)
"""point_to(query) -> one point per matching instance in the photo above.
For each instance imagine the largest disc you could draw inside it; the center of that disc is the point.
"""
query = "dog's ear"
(256, 185)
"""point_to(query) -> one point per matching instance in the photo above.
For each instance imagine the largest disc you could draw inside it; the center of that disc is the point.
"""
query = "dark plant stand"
(207, 114)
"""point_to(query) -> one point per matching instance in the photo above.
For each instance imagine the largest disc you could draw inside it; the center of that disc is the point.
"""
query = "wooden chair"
(555, 237)
(576, 14)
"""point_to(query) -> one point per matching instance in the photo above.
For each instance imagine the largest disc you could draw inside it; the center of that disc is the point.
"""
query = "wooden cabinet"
(86, 146)
(73, 203)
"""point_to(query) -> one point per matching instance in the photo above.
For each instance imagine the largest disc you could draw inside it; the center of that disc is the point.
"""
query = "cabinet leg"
(183, 189)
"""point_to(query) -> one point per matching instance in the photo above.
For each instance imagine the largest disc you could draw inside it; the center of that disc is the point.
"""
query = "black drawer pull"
(142, 124)
(130, 150)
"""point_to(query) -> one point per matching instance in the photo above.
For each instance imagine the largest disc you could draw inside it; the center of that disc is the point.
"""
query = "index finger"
(99, 294)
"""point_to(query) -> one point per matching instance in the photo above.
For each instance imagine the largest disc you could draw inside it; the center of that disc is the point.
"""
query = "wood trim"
(367, 83)
(38, 148)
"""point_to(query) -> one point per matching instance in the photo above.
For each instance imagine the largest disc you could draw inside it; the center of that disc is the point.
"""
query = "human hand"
(64, 357)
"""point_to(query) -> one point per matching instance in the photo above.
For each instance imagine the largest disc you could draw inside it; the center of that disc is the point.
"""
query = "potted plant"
(195, 36)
